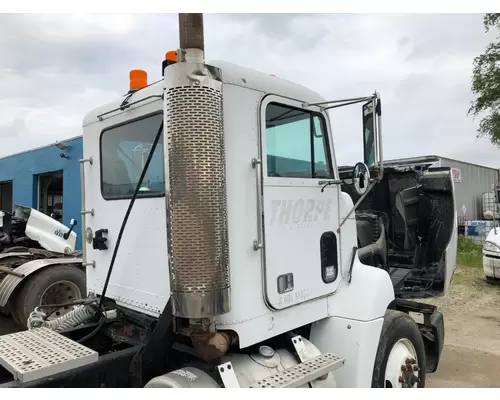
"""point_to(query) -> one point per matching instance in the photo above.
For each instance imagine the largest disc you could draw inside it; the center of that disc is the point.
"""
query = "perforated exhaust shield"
(196, 201)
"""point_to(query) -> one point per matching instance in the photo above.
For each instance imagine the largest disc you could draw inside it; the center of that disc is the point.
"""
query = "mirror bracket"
(72, 225)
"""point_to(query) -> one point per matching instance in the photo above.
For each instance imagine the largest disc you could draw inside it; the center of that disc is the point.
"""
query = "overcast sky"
(56, 68)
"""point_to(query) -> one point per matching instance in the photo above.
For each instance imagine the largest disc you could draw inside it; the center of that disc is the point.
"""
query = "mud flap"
(431, 328)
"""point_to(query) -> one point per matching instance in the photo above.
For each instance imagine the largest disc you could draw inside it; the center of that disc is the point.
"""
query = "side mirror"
(369, 146)
(72, 223)
(370, 110)
(361, 178)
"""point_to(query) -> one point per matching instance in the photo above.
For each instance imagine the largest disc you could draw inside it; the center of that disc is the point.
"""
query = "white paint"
(491, 264)
(296, 214)
(356, 341)
(140, 278)
(400, 352)
(451, 249)
(48, 232)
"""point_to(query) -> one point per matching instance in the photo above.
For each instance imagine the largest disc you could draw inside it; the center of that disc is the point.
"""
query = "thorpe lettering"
(300, 212)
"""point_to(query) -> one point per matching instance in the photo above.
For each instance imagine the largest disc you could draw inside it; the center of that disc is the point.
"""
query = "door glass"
(296, 143)
(124, 151)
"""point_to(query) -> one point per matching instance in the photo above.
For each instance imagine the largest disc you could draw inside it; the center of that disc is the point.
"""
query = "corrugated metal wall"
(475, 180)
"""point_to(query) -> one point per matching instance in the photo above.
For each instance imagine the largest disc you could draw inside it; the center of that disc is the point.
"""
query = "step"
(302, 373)
(41, 352)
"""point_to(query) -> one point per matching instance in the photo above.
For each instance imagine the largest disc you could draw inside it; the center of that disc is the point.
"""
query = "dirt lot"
(471, 356)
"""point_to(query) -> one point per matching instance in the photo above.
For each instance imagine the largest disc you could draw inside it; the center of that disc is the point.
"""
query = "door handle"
(99, 241)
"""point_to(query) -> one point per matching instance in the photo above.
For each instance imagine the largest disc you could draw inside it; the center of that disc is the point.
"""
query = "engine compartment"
(404, 226)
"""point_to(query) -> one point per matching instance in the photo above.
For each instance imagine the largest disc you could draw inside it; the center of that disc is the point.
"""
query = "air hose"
(86, 312)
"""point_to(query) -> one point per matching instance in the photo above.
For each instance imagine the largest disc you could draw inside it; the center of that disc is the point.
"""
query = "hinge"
(228, 376)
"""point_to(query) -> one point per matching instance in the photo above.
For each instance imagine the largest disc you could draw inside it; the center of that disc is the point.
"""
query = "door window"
(296, 143)
(124, 151)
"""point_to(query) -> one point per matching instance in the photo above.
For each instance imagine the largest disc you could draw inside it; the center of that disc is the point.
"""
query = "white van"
(491, 255)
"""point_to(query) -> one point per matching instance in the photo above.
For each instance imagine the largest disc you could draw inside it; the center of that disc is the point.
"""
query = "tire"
(492, 281)
(399, 332)
(54, 277)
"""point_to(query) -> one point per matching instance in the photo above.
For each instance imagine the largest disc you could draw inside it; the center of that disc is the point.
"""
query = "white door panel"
(295, 220)
(140, 276)
(297, 213)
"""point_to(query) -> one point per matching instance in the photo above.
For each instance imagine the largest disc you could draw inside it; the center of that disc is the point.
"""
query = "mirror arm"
(66, 235)
(378, 110)
(352, 100)
(372, 185)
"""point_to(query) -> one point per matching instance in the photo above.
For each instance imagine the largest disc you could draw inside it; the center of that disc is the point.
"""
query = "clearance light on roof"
(138, 79)
(170, 58)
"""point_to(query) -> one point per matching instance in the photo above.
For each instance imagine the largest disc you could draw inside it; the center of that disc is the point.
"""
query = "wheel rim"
(402, 368)
(60, 292)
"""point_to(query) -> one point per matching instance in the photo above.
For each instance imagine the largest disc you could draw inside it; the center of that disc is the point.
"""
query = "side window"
(124, 151)
(296, 143)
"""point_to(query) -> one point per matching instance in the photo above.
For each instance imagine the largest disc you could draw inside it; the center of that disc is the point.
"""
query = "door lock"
(99, 242)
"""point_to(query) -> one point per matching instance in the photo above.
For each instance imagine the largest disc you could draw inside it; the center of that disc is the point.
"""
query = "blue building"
(47, 179)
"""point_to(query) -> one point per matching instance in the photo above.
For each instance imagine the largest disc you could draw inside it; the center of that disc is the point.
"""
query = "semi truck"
(38, 264)
(254, 260)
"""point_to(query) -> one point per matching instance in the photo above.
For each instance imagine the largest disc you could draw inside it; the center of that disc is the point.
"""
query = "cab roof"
(231, 74)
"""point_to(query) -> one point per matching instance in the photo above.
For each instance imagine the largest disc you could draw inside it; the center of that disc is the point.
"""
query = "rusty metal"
(191, 31)
(125, 333)
(10, 271)
(47, 253)
(408, 379)
(210, 345)
(10, 282)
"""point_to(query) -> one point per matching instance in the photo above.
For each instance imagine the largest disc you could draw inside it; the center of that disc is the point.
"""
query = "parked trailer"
(38, 265)
(258, 263)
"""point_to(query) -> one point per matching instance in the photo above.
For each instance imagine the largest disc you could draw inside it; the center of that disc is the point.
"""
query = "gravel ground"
(471, 356)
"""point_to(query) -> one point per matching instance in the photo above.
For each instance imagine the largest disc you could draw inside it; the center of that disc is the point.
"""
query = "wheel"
(492, 281)
(53, 285)
(400, 360)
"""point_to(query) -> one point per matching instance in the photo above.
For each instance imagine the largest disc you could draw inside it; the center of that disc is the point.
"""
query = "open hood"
(46, 230)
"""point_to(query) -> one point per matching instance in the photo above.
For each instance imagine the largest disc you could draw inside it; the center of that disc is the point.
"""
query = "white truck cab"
(238, 254)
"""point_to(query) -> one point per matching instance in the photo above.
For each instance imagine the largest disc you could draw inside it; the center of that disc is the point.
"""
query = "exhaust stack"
(191, 38)
(196, 187)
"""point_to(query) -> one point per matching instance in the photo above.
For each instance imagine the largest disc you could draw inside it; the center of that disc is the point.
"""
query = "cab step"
(41, 352)
(302, 373)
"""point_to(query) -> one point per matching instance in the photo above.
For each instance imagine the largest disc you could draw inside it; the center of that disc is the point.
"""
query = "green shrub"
(469, 253)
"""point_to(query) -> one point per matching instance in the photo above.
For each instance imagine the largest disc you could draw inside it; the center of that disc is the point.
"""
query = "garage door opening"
(50, 194)
(6, 196)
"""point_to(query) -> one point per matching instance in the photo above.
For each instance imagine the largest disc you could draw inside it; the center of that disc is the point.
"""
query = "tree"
(486, 85)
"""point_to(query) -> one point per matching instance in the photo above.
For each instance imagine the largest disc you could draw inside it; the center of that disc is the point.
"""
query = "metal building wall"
(22, 170)
(474, 181)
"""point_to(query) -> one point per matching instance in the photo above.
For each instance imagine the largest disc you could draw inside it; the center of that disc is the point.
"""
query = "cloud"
(56, 68)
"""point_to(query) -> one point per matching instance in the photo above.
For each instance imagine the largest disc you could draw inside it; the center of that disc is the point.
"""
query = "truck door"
(118, 145)
(301, 245)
